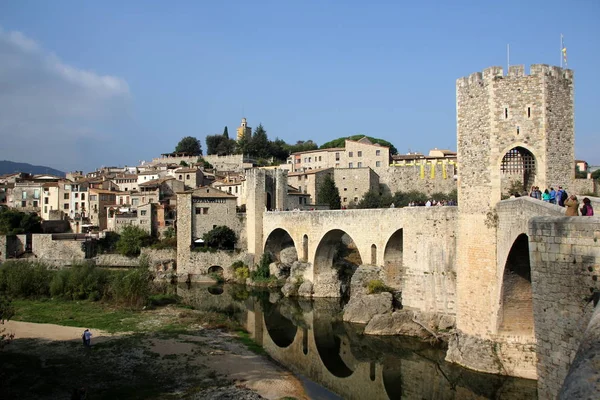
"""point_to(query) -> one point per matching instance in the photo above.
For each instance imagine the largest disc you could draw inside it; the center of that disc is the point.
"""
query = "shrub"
(170, 233)
(80, 282)
(132, 239)
(25, 279)
(131, 288)
(170, 243)
(262, 269)
(377, 286)
(240, 271)
(108, 244)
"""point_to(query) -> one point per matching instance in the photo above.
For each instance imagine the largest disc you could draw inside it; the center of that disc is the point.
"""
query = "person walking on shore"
(87, 338)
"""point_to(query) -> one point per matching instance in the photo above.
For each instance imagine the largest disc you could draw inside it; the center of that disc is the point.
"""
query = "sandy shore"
(215, 350)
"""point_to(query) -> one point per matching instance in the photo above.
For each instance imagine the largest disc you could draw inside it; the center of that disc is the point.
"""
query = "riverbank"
(172, 352)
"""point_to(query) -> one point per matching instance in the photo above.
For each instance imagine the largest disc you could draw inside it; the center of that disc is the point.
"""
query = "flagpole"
(561, 50)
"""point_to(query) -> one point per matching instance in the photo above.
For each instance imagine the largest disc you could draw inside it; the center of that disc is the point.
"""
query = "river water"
(334, 360)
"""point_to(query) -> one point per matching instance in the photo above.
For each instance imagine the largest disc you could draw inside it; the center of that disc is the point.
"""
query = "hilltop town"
(146, 195)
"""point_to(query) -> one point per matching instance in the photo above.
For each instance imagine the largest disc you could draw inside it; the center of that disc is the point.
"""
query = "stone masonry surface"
(565, 264)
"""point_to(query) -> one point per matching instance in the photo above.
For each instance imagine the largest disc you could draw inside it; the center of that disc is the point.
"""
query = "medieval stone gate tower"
(514, 129)
(266, 190)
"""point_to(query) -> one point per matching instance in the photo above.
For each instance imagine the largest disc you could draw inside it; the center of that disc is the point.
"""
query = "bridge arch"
(281, 330)
(518, 163)
(516, 303)
(279, 239)
(393, 258)
(336, 259)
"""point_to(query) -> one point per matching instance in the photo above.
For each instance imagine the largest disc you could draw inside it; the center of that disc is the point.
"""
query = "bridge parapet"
(565, 264)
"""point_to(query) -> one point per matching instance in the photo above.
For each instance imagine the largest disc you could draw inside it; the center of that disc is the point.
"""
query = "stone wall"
(583, 380)
(565, 263)
(192, 265)
(581, 186)
(418, 177)
(57, 252)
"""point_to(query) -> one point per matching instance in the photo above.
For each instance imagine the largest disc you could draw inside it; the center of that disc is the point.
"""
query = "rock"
(298, 268)
(401, 323)
(305, 289)
(289, 289)
(288, 255)
(274, 270)
(361, 278)
(274, 297)
(362, 309)
(226, 392)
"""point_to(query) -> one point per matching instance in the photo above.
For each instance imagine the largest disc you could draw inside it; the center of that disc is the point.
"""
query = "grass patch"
(77, 313)
(246, 340)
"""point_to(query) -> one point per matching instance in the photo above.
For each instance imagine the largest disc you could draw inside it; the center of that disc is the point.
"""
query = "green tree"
(302, 145)
(341, 142)
(259, 144)
(329, 194)
(189, 145)
(243, 144)
(226, 133)
(13, 222)
(371, 199)
(596, 174)
(402, 199)
(220, 237)
(131, 241)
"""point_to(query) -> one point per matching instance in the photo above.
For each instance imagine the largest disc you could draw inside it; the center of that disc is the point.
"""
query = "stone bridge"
(414, 245)
(538, 254)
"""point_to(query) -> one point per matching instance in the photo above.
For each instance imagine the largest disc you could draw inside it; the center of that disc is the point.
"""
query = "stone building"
(510, 128)
(126, 182)
(206, 208)
(355, 154)
(191, 177)
(309, 181)
(353, 183)
(100, 201)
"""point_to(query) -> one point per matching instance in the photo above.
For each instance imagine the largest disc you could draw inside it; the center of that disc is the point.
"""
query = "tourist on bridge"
(552, 196)
(562, 195)
(572, 206)
(587, 209)
(546, 196)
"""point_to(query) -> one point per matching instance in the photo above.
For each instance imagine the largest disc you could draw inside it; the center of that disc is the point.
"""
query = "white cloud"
(49, 109)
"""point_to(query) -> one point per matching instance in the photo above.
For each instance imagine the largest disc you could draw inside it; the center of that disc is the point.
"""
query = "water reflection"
(309, 338)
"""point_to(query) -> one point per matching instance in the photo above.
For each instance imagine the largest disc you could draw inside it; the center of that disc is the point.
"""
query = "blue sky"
(85, 84)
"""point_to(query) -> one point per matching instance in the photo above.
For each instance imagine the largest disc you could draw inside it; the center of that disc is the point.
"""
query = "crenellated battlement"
(514, 71)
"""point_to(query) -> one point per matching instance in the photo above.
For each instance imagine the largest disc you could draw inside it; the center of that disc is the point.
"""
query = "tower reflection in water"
(309, 338)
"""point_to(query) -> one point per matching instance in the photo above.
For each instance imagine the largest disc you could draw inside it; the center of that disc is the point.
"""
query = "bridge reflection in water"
(309, 338)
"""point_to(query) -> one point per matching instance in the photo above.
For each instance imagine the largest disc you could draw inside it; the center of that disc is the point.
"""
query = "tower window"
(518, 130)
(528, 112)
(505, 113)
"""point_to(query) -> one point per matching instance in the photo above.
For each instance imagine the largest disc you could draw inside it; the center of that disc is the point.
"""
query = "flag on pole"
(563, 50)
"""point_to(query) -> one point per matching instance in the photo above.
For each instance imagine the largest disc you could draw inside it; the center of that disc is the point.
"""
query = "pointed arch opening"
(373, 254)
(282, 248)
(305, 248)
(518, 169)
(393, 258)
(516, 307)
(336, 260)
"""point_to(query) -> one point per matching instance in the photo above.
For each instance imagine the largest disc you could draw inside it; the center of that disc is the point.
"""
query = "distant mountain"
(9, 167)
